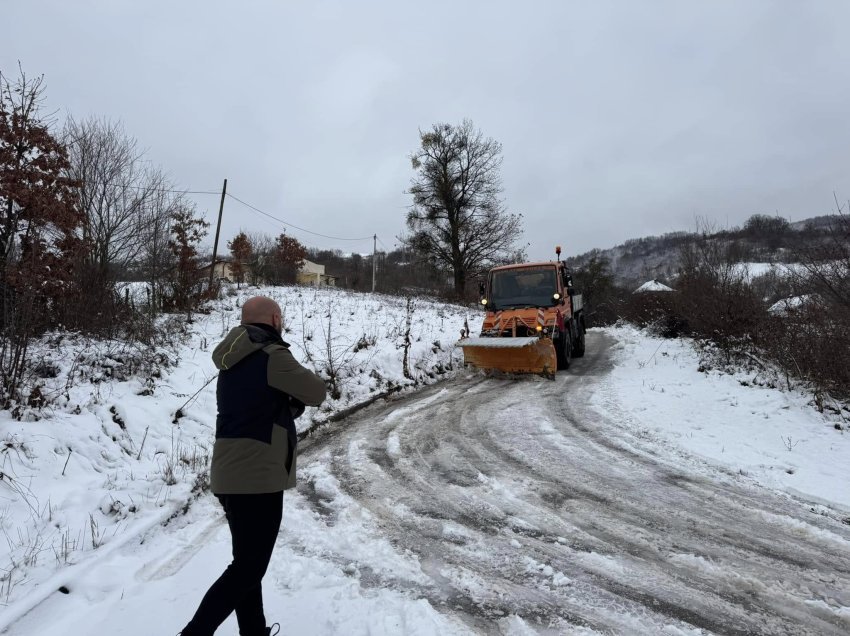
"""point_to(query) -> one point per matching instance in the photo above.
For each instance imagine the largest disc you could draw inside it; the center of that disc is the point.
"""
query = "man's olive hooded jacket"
(261, 390)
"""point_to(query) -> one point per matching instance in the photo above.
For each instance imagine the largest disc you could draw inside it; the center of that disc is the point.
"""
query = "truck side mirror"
(482, 288)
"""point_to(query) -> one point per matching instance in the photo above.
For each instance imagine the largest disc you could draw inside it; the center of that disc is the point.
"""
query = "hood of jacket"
(241, 342)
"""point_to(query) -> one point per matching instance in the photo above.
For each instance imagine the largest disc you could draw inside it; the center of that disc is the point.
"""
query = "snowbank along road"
(519, 500)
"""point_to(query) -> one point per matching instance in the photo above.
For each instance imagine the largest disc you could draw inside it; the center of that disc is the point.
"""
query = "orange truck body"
(536, 327)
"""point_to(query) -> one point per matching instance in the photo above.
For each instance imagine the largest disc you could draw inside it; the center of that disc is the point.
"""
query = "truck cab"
(533, 319)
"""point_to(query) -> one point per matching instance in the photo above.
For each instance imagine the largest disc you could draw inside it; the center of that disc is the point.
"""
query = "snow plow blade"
(511, 355)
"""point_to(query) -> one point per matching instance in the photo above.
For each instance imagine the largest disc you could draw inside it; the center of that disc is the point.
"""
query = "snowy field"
(751, 271)
(108, 530)
(108, 460)
(776, 436)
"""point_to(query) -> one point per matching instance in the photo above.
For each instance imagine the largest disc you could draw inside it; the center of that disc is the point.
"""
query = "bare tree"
(602, 298)
(714, 295)
(115, 188)
(157, 259)
(825, 265)
(811, 338)
(261, 262)
(457, 218)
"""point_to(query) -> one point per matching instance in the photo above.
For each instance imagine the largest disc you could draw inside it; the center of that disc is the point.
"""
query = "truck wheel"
(564, 351)
(578, 349)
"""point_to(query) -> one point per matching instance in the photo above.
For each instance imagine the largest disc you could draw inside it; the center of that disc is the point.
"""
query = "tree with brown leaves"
(241, 250)
(187, 231)
(290, 255)
(39, 226)
(37, 202)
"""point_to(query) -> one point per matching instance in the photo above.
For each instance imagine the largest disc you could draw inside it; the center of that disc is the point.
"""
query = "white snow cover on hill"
(652, 286)
(751, 271)
(787, 305)
(107, 459)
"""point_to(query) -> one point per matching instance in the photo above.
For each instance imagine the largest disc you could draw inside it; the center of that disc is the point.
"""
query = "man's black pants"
(254, 522)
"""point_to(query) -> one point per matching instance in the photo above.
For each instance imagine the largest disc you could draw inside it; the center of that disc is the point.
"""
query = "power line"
(147, 188)
(176, 191)
(275, 222)
(235, 198)
(271, 216)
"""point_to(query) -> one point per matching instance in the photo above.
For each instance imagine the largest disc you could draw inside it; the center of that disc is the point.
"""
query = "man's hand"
(296, 407)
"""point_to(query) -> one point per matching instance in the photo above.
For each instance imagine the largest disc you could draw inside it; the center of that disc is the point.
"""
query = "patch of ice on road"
(695, 562)
(327, 487)
(513, 625)
(732, 581)
(517, 523)
(672, 630)
(394, 446)
(452, 530)
(600, 563)
(402, 511)
(465, 580)
(561, 579)
(555, 577)
(824, 608)
(404, 411)
(803, 529)
(535, 567)
(356, 454)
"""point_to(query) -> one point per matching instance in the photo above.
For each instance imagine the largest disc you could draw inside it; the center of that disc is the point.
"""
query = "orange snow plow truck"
(534, 321)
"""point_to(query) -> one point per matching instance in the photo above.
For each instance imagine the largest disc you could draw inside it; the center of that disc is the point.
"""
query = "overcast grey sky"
(618, 119)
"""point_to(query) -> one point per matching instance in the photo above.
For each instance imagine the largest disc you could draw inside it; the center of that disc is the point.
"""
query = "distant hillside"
(762, 239)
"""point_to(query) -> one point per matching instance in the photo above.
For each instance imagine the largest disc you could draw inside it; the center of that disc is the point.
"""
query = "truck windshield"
(523, 287)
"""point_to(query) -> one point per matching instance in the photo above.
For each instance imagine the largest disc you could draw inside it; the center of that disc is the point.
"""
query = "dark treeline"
(762, 238)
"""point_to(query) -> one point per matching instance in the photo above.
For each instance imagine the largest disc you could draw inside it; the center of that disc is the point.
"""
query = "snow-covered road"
(519, 500)
(495, 506)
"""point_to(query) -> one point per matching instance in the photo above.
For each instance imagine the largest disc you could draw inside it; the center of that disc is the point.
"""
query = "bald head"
(261, 310)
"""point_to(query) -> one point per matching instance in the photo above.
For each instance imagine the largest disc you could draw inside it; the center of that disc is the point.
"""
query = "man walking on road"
(261, 390)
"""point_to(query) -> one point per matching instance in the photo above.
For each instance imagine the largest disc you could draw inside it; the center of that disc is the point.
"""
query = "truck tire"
(563, 351)
(578, 348)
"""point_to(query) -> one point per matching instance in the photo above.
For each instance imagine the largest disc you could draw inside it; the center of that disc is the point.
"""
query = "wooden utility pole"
(374, 259)
(217, 232)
